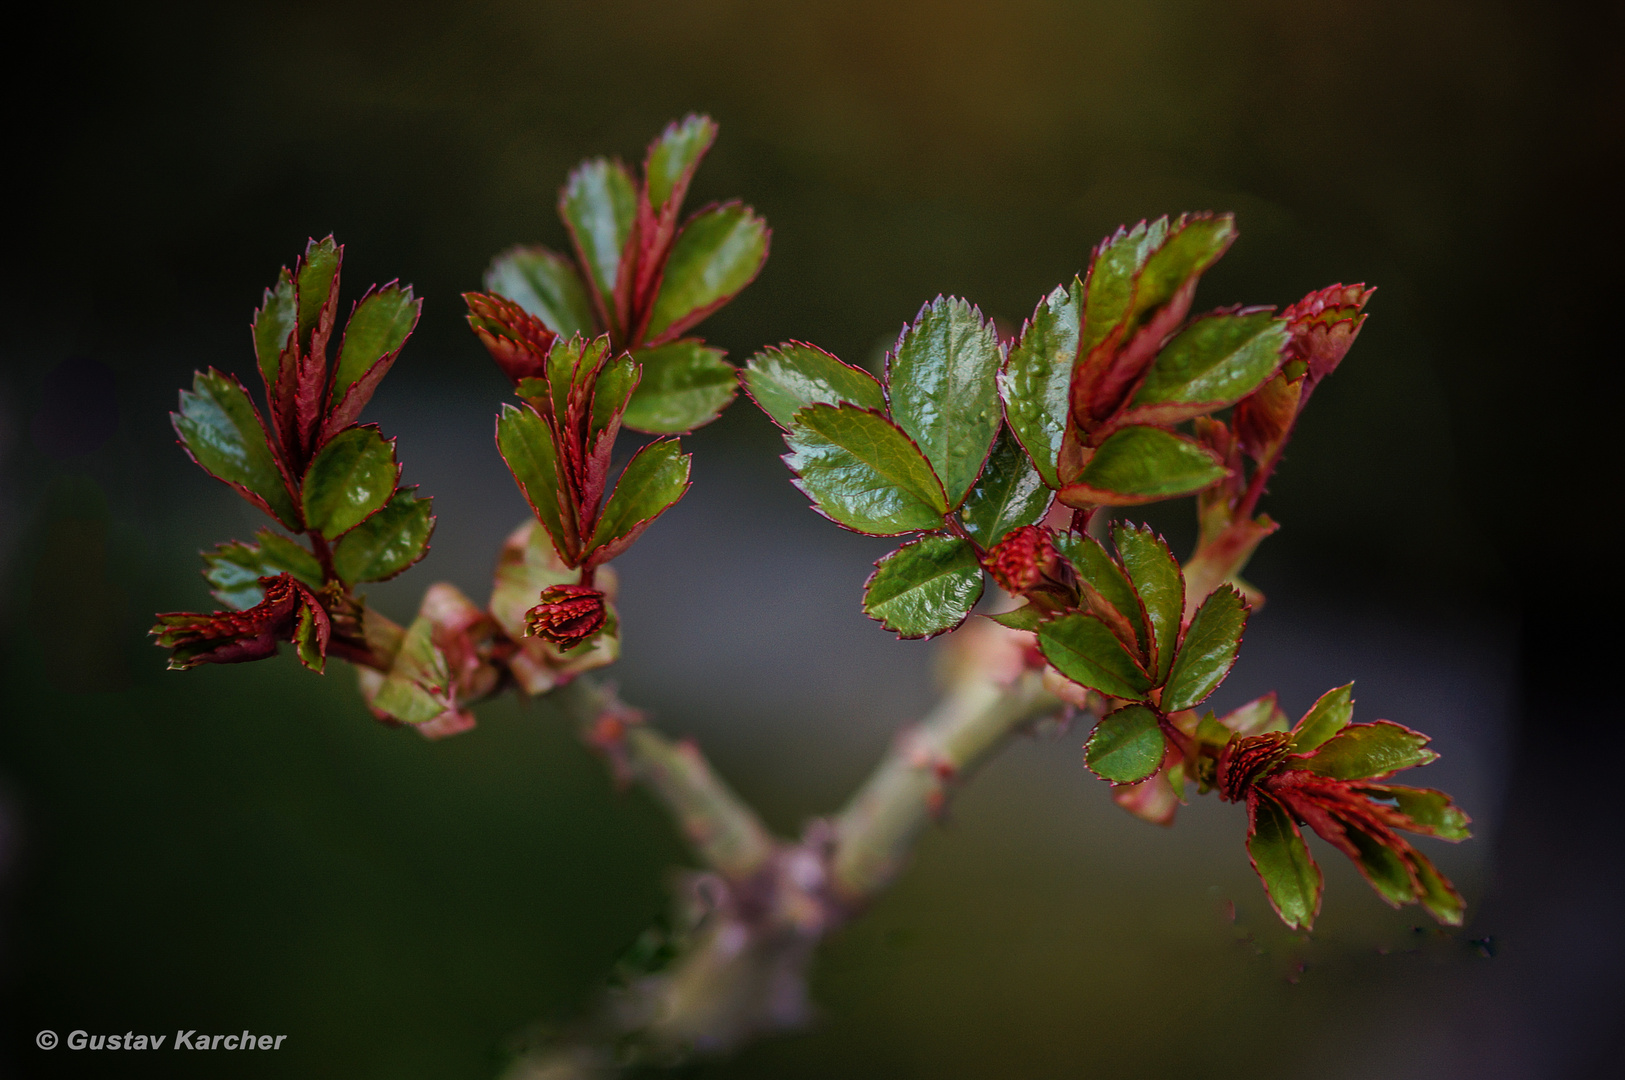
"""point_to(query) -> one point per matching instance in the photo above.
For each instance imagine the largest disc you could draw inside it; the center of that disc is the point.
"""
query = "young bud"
(516, 340)
(1025, 563)
(1244, 760)
(567, 615)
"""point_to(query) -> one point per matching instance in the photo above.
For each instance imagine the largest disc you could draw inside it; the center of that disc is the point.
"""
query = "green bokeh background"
(241, 846)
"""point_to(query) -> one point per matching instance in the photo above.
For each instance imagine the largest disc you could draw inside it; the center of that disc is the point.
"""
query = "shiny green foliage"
(377, 329)
(941, 382)
(1208, 650)
(674, 155)
(1369, 752)
(682, 386)
(221, 429)
(924, 588)
(318, 274)
(545, 284)
(716, 255)
(1009, 494)
(653, 480)
(1126, 746)
(788, 378)
(863, 472)
(1140, 464)
(1325, 718)
(1037, 377)
(1099, 571)
(526, 444)
(388, 542)
(349, 480)
(1433, 811)
(1084, 650)
(274, 324)
(1214, 362)
(1154, 574)
(234, 568)
(1281, 857)
(599, 204)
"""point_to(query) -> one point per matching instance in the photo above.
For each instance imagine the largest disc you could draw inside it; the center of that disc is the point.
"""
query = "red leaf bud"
(567, 615)
(1025, 563)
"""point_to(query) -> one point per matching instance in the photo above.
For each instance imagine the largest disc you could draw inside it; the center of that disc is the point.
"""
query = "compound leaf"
(861, 471)
(788, 378)
(684, 385)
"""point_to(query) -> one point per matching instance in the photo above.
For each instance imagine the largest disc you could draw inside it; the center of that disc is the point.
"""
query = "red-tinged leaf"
(1154, 574)
(1137, 464)
(1107, 591)
(1325, 718)
(668, 169)
(1037, 378)
(233, 570)
(1422, 810)
(388, 542)
(518, 341)
(222, 431)
(1264, 418)
(1257, 717)
(1208, 650)
(1282, 861)
(1368, 752)
(1153, 799)
(598, 204)
(318, 292)
(655, 478)
(719, 251)
(373, 338)
(526, 444)
(349, 480)
(1324, 325)
(861, 471)
(924, 588)
(1214, 362)
(232, 637)
(274, 324)
(1437, 894)
(785, 379)
(1085, 650)
(1127, 746)
(684, 385)
(546, 285)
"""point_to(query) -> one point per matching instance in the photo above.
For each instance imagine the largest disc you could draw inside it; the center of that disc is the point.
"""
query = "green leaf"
(653, 480)
(942, 383)
(1154, 572)
(1382, 867)
(415, 691)
(307, 643)
(1086, 651)
(1433, 812)
(613, 392)
(1216, 361)
(234, 568)
(1324, 719)
(221, 429)
(1208, 651)
(789, 378)
(684, 386)
(862, 471)
(924, 588)
(547, 285)
(274, 323)
(1025, 617)
(1127, 745)
(1037, 379)
(1194, 243)
(1284, 864)
(388, 542)
(1102, 573)
(1009, 494)
(377, 329)
(717, 254)
(1438, 895)
(349, 480)
(1368, 751)
(318, 280)
(1143, 464)
(674, 155)
(1109, 292)
(598, 205)
(526, 444)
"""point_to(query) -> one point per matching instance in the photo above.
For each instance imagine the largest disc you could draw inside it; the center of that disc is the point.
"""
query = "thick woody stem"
(876, 832)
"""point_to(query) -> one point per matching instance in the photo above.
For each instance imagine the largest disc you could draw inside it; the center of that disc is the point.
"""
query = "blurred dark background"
(243, 847)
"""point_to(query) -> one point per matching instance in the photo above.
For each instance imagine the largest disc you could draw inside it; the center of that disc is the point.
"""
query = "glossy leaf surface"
(318, 279)
(526, 445)
(545, 284)
(233, 569)
(1084, 650)
(349, 480)
(1140, 464)
(1208, 651)
(599, 204)
(863, 472)
(1126, 746)
(1433, 811)
(1009, 494)
(674, 155)
(388, 542)
(653, 480)
(378, 327)
(1325, 718)
(1281, 857)
(924, 588)
(219, 425)
(1101, 572)
(787, 379)
(1037, 379)
(717, 254)
(1214, 362)
(683, 386)
(274, 324)
(1368, 752)
(942, 384)
(1154, 573)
